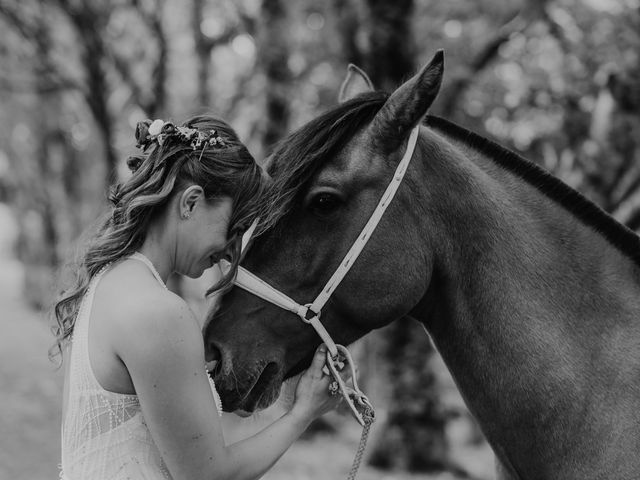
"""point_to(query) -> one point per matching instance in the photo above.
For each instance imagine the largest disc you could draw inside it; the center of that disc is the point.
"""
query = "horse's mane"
(588, 212)
(296, 159)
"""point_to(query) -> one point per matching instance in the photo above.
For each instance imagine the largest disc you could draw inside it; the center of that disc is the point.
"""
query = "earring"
(186, 214)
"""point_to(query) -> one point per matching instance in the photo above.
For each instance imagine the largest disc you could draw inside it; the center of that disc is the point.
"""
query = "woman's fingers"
(318, 369)
(318, 361)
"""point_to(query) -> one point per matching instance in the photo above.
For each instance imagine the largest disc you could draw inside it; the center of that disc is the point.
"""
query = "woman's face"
(203, 236)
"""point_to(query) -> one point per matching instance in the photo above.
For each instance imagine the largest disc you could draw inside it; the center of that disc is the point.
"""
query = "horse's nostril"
(213, 353)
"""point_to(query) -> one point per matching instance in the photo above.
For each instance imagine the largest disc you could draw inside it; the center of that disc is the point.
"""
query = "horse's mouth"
(262, 394)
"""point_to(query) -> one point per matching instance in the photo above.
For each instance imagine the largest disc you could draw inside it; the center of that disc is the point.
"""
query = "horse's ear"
(407, 106)
(355, 83)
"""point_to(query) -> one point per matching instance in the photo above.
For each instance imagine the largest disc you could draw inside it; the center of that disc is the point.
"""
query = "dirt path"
(30, 386)
(30, 396)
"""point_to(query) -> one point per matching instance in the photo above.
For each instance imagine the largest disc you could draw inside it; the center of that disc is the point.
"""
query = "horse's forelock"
(297, 158)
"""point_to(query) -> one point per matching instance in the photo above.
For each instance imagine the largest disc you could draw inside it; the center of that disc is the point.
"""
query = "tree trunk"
(89, 23)
(414, 433)
(390, 56)
(347, 24)
(273, 56)
(40, 252)
(203, 53)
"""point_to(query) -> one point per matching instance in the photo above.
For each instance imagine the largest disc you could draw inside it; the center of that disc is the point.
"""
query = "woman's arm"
(161, 346)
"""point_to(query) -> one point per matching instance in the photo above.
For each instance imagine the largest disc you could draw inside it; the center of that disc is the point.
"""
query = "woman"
(138, 402)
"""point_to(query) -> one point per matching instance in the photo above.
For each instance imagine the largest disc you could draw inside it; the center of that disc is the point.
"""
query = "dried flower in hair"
(156, 127)
(159, 131)
(168, 128)
(134, 162)
(142, 133)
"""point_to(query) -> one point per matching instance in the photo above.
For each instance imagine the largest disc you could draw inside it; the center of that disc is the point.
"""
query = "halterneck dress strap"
(142, 258)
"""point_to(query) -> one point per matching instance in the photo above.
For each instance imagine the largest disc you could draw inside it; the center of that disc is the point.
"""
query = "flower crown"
(149, 133)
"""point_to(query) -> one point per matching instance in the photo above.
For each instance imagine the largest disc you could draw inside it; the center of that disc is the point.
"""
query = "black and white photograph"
(320, 240)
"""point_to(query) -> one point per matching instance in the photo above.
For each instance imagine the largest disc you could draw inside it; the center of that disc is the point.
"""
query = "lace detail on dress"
(104, 435)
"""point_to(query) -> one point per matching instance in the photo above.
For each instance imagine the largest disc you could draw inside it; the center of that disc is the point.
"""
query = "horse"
(529, 291)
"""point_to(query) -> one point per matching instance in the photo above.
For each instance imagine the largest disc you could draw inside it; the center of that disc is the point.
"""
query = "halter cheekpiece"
(310, 313)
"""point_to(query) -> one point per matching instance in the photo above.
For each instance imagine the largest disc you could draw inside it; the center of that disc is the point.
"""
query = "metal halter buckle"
(314, 315)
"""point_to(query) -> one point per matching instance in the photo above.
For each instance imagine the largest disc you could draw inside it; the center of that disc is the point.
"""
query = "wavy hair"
(161, 171)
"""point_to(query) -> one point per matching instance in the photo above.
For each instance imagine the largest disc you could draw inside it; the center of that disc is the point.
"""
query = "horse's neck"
(536, 315)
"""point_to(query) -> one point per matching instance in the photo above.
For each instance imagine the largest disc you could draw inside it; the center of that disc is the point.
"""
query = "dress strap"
(141, 258)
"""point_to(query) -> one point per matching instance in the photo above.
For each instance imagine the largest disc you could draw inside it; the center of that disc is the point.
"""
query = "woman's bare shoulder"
(142, 310)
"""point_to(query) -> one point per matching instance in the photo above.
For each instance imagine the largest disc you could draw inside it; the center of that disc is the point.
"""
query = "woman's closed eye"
(215, 257)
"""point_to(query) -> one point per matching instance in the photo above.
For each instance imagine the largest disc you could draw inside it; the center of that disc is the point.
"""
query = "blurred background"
(556, 80)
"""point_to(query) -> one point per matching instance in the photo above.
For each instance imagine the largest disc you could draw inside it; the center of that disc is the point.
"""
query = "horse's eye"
(324, 204)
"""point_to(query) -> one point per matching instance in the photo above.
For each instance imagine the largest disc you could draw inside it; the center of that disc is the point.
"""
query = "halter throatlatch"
(310, 313)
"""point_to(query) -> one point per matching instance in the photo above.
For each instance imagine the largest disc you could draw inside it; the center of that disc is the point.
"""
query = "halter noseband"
(310, 312)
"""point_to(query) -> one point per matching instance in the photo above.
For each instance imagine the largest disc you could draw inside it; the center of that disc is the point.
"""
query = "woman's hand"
(312, 393)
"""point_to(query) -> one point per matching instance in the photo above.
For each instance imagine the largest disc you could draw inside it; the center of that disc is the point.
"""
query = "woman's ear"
(189, 200)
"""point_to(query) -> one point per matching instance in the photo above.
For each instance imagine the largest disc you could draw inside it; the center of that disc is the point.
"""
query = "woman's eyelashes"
(216, 256)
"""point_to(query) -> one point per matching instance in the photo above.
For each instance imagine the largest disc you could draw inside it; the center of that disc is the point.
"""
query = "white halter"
(253, 284)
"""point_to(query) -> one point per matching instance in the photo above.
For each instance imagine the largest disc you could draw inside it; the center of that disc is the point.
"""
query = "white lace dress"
(104, 435)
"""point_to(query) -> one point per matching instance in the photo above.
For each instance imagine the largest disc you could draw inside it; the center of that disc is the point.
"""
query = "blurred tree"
(204, 44)
(348, 23)
(414, 435)
(44, 196)
(86, 61)
(150, 91)
(389, 56)
(90, 20)
(273, 59)
(453, 92)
